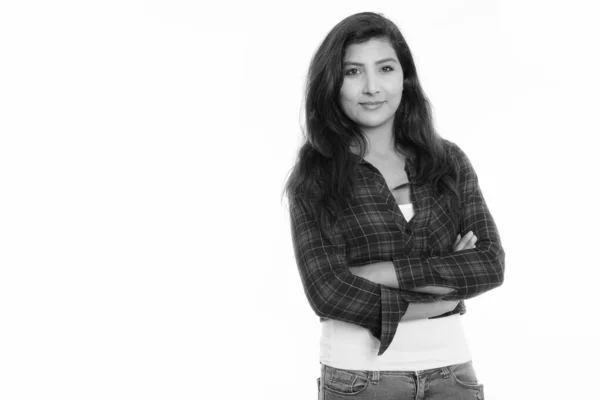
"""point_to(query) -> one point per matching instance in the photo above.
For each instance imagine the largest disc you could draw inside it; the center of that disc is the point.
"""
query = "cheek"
(396, 95)
(395, 89)
(394, 85)
(347, 98)
(346, 93)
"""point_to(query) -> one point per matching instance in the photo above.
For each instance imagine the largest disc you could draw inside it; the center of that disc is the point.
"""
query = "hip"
(451, 382)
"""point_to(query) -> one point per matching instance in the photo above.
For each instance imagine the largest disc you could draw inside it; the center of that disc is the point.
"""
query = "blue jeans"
(453, 382)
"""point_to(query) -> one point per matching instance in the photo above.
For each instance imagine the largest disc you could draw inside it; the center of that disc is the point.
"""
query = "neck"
(381, 141)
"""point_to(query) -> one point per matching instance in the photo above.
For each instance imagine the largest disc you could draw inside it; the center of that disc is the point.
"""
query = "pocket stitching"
(461, 383)
(355, 377)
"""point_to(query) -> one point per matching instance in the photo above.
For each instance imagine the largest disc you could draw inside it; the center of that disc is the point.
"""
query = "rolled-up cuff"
(393, 308)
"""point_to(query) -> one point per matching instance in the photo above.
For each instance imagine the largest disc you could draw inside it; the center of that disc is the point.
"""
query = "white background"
(145, 251)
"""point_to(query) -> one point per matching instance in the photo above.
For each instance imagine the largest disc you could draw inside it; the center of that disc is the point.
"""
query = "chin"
(370, 123)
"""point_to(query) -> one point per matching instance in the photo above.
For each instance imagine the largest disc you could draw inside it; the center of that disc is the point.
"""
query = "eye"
(348, 72)
(387, 66)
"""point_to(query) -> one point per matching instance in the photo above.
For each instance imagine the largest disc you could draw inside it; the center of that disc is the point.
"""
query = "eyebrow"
(362, 65)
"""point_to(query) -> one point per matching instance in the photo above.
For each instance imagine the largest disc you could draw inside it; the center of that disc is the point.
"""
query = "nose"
(371, 83)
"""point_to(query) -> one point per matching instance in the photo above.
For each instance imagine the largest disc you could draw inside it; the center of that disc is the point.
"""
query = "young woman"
(390, 230)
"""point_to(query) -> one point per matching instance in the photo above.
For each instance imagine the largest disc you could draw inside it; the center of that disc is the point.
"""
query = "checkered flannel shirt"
(374, 230)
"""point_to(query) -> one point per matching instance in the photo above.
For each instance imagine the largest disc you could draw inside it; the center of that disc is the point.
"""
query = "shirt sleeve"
(469, 272)
(334, 292)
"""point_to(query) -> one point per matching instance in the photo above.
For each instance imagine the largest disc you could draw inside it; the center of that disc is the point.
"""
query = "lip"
(372, 105)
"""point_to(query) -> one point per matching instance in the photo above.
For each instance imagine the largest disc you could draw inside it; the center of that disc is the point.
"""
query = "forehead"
(374, 48)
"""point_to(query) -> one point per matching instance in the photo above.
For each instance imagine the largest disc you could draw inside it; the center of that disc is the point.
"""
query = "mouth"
(372, 105)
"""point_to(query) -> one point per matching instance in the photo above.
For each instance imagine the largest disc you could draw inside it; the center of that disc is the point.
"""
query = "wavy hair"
(323, 176)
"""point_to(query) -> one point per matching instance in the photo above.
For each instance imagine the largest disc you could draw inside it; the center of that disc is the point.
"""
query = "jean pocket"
(464, 375)
(345, 381)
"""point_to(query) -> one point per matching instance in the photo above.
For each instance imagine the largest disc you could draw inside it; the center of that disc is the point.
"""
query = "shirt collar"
(409, 159)
(410, 164)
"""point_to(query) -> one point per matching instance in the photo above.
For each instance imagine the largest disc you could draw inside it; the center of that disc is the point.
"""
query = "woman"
(390, 230)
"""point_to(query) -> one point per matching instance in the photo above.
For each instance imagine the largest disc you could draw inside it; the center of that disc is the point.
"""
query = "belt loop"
(445, 372)
(374, 377)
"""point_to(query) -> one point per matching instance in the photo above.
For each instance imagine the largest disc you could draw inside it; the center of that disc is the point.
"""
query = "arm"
(470, 272)
(334, 292)
(385, 274)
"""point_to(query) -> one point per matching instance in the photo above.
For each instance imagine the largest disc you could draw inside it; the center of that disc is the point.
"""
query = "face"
(372, 73)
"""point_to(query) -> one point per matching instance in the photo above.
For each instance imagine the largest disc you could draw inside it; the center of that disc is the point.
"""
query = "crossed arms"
(333, 291)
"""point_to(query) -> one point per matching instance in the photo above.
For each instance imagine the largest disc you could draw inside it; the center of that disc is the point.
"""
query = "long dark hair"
(323, 177)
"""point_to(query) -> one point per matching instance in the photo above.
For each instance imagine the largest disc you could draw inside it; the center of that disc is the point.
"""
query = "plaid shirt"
(374, 230)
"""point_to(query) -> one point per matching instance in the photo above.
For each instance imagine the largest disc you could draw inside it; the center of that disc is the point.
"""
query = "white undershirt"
(418, 344)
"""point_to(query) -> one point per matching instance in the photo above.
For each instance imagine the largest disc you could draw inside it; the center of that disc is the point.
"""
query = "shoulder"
(458, 156)
(453, 150)
(466, 175)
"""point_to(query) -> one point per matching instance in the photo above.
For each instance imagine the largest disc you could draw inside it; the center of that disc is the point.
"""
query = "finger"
(456, 242)
(466, 239)
(472, 242)
(460, 245)
(464, 242)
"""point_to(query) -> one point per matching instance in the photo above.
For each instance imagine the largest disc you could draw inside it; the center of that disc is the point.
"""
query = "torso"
(392, 169)
(418, 345)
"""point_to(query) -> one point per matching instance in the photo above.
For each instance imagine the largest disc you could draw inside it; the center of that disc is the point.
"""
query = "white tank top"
(418, 344)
